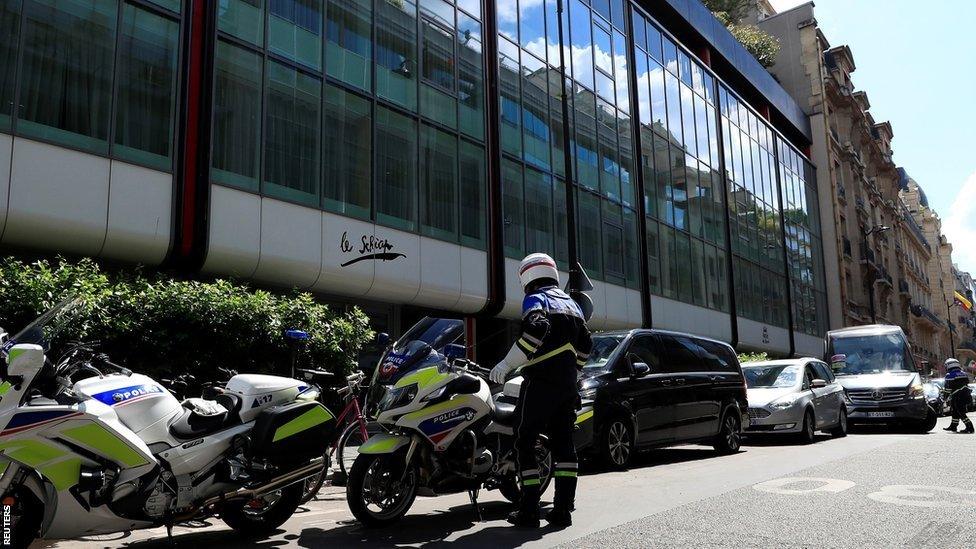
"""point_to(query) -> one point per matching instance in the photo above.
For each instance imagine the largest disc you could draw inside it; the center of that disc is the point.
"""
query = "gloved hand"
(499, 372)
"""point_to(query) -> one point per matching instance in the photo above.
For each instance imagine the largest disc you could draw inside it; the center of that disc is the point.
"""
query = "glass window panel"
(602, 7)
(346, 153)
(613, 245)
(552, 34)
(679, 189)
(621, 77)
(396, 52)
(688, 120)
(588, 224)
(532, 24)
(695, 223)
(437, 47)
(561, 219)
(669, 265)
(473, 195)
(662, 164)
(473, 7)
(653, 257)
(295, 30)
(628, 193)
(291, 134)
(237, 117)
(698, 273)
(243, 19)
(650, 181)
(609, 163)
(684, 67)
(535, 112)
(659, 111)
(631, 249)
(674, 107)
(538, 212)
(654, 43)
(701, 128)
(720, 291)
(639, 26)
(66, 76)
(348, 48)
(587, 163)
(507, 17)
(670, 60)
(471, 87)
(604, 86)
(602, 50)
(643, 90)
(438, 184)
(582, 44)
(556, 131)
(10, 29)
(172, 5)
(146, 79)
(617, 9)
(396, 169)
(511, 103)
(513, 213)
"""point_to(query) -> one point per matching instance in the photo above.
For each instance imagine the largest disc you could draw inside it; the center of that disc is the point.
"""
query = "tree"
(762, 45)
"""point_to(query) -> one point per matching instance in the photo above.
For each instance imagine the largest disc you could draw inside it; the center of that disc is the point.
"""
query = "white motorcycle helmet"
(535, 267)
(951, 363)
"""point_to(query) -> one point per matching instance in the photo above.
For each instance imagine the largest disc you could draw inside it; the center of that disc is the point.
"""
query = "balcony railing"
(861, 206)
(847, 247)
(916, 230)
(884, 277)
(867, 254)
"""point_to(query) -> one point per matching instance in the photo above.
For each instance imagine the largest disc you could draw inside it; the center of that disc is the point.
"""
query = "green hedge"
(162, 326)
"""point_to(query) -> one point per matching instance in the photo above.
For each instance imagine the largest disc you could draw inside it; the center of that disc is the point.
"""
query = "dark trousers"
(546, 408)
(960, 402)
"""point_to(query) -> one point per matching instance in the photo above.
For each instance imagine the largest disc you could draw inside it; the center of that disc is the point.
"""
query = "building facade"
(886, 248)
(404, 155)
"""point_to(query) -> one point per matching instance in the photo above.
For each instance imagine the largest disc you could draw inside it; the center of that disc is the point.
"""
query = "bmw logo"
(469, 416)
(117, 397)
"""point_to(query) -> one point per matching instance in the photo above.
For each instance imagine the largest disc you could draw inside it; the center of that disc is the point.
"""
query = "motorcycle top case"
(292, 433)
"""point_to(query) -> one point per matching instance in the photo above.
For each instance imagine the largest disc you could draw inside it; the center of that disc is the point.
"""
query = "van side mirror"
(838, 362)
(818, 384)
(641, 369)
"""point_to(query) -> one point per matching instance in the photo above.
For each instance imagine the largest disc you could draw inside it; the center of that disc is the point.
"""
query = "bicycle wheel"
(312, 484)
(346, 452)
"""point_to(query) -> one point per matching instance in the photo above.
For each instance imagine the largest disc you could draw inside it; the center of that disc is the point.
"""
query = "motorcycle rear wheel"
(251, 520)
(374, 492)
(509, 487)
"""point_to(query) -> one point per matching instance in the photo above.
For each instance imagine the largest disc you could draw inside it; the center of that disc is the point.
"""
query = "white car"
(796, 396)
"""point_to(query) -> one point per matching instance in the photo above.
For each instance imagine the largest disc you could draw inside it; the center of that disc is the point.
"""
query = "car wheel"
(841, 429)
(809, 429)
(617, 443)
(929, 423)
(729, 438)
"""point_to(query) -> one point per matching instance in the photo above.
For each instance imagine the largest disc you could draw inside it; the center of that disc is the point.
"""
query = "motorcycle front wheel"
(379, 491)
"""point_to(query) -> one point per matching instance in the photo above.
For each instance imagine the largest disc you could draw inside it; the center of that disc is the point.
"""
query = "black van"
(650, 388)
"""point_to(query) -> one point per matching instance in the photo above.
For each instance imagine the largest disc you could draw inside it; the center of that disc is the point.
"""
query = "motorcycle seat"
(193, 424)
(504, 413)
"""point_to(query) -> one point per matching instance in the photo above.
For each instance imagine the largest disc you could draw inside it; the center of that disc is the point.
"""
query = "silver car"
(797, 396)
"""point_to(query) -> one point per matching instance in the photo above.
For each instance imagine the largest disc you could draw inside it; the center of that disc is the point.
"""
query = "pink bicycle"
(351, 426)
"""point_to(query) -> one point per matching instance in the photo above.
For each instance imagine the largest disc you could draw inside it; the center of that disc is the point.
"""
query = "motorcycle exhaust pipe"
(252, 493)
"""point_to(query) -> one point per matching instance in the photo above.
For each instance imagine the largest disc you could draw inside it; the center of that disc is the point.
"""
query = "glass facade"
(601, 134)
(684, 194)
(95, 75)
(373, 110)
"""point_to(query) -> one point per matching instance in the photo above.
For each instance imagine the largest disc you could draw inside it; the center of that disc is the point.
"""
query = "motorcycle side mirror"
(584, 302)
(838, 362)
(455, 351)
(382, 339)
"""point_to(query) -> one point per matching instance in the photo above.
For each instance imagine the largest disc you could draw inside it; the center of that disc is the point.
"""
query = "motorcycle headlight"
(398, 397)
(436, 394)
(588, 394)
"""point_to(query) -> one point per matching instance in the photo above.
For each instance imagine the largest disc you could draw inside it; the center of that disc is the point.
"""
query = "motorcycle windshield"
(426, 343)
(52, 325)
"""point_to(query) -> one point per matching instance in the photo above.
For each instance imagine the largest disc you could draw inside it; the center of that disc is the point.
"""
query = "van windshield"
(603, 348)
(870, 354)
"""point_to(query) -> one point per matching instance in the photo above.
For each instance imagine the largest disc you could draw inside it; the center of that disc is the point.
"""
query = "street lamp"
(867, 233)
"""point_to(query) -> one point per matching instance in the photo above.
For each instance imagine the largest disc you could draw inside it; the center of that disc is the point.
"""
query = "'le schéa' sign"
(370, 248)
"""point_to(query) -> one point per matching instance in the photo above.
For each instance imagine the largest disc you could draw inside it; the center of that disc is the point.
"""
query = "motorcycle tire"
(238, 516)
(355, 490)
(27, 514)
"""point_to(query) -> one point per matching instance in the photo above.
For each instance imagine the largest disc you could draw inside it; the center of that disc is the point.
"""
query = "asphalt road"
(872, 489)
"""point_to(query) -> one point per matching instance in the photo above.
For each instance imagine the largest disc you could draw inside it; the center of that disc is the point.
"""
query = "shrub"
(163, 326)
(753, 357)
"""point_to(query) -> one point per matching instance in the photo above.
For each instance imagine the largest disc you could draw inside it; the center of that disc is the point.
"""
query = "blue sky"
(917, 62)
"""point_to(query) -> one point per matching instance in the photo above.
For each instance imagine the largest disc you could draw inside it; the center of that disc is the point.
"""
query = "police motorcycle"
(88, 447)
(443, 430)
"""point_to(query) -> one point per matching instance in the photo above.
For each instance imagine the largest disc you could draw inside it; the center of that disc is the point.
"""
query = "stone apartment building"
(881, 241)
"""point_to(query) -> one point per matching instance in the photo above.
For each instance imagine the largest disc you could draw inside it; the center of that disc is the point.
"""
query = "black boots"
(559, 519)
(524, 519)
(969, 426)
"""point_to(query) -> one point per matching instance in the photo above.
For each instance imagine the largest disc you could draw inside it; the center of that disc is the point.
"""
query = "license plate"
(881, 414)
